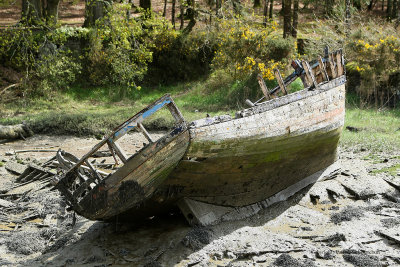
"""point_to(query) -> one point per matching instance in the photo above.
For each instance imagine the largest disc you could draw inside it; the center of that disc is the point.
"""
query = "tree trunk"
(383, 5)
(329, 7)
(271, 8)
(295, 18)
(287, 17)
(217, 7)
(94, 10)
(394, 9)
(173, 13)
(182, 15)
(39, 12)
(191, 15)
(165, 9)
(282, 8)
(257, 3)
(32, 12)
(145, 4)
(347, 19)
(371, 5)
(265, 12)
(389, 9)
(52, 12)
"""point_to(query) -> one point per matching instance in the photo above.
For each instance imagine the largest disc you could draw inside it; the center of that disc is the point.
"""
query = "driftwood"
(15, 131)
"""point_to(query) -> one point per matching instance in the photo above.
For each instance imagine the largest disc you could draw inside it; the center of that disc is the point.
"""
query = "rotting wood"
(309, 74)
(117, 149)
(223, 161)
(35, 150)
(280, 81)
(145, 133)
(339, 63)
(332, 65)
(323, 70)
(263, 86)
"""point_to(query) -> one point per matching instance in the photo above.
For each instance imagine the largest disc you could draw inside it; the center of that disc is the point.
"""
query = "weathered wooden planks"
(136, 180)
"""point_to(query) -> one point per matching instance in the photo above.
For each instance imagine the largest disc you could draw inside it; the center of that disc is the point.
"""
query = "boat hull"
(246, 160)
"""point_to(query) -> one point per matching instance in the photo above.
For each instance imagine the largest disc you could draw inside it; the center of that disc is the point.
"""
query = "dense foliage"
(228, 44)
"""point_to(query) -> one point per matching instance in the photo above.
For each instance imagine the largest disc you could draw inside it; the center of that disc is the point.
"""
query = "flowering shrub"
(244, 48)
(374, 53)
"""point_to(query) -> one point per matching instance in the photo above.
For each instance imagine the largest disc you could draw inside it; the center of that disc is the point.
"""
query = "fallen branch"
(35, 150)
(8, 87)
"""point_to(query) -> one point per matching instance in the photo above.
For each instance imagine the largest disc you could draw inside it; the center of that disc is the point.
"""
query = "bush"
(374, 52)
(244, 48)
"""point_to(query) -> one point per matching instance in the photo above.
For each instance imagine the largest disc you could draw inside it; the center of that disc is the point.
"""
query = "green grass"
(392, 170)
(378, 130)
(81, 111)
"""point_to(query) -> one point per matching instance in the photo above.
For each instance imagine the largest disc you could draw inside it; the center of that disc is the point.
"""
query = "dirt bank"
(351, 219)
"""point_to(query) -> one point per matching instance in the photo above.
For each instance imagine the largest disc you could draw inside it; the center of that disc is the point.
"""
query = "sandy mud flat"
(350, 219)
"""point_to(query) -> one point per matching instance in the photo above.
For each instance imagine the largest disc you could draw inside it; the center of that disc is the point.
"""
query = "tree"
(145, 4)
(287, 17)
(173, 13)
(265, 12)
(394, 9)
(94, 10)
(182, 16)
(295, 17)
(271, 8)
(165, 9)
(191, 15)
(257, 3)
(389, 9)
(329, 7)
(39, 12)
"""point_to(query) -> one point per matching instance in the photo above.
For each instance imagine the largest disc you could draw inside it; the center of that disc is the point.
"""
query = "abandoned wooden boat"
(219, 168)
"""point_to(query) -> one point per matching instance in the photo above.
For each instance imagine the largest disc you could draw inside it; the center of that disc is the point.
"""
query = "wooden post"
(309, 74)
(339, 63)
(280, 81)
(331, 65)
(263, 86)
(322, 68)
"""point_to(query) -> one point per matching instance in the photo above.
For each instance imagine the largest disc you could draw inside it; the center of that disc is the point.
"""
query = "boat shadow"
(159, 241)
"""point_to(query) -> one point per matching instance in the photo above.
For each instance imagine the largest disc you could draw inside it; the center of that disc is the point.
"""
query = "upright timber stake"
(280, 81)
(339, 63)
(332, 65)
(309, 74)
(263, 87)
(322, 68)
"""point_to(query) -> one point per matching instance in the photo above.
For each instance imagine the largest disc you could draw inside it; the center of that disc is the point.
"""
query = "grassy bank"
(94, 112)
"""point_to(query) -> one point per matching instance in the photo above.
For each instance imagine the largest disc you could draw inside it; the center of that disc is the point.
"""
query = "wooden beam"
(121, 154)
(280, 81)
(176, 113)
(263, 86)
(339, 63)
(332, 65)
(145, 133)
(322, 68)
(309, 74)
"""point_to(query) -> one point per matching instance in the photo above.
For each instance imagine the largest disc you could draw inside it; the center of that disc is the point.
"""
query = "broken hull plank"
(246, 160)
(136, 181)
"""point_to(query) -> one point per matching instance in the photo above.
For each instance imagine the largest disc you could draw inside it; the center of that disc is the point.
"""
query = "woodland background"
(80, 67)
